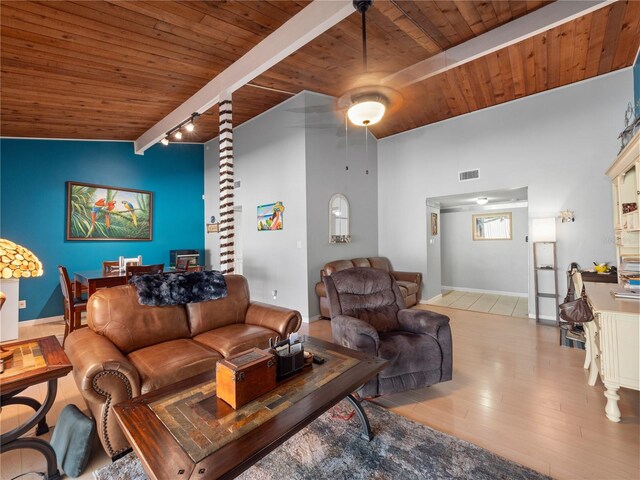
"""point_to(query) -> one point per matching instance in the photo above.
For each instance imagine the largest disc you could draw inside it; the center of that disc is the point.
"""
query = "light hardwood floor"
(509, 305)
(514, 391)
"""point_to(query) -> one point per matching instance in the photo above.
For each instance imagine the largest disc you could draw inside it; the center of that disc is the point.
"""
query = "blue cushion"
(72, 439)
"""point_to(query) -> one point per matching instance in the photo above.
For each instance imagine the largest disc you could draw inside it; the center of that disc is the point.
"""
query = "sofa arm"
(354, 333)
(321, 290)
(414, 277)
(279, 319)
(105, 378)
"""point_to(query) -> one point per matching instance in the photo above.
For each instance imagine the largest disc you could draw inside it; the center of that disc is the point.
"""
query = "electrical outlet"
(22, 304)
(274, 294)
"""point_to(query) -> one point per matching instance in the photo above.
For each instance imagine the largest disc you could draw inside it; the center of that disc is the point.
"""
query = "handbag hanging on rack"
(578, 310)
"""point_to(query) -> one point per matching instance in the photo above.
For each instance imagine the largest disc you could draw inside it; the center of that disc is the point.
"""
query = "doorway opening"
(477, 252)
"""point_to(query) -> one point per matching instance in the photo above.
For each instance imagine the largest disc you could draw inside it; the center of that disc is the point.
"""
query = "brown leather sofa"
(409, 282)
(130, 349)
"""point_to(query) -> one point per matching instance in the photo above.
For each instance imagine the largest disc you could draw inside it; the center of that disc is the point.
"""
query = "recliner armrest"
(415, 277)
(279, 319)
(354, 333)
(321, 290)
(422, 321)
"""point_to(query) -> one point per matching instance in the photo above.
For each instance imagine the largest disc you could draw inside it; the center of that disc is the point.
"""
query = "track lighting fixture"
(188, 124)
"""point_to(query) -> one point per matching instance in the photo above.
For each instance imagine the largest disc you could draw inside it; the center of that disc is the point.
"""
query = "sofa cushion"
(236, 338)
(410, 287)
(409, 353)
(117, 314)
(205, 316)
(380, 262)
(170, 362)
(361, 262)
(337, 266)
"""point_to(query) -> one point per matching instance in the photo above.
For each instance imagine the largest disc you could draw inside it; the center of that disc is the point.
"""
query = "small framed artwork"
(99, 212)
(213, 227)
(434, 224)
(491, 226)
(270, 216)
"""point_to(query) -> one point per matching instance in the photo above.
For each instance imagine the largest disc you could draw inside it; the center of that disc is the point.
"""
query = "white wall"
(493, 265)
(327, 159)
(557, 143)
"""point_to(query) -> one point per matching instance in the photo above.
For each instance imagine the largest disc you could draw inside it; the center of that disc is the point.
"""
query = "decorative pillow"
(72, 439)
(179, 288)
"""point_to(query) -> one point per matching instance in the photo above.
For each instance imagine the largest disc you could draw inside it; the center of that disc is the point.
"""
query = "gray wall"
(558, 143)
(269, 161)
(492, 265)
(433, 279)
(211, 201)
(295, 153)
(327, 160)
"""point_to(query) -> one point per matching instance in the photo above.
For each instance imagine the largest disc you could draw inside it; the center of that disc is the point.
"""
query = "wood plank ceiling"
(112, 69)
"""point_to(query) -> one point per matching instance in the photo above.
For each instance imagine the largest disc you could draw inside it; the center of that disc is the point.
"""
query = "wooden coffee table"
(185, 431)
(34, 361)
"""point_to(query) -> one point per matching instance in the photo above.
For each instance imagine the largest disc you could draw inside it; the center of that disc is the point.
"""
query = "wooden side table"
(34, 361)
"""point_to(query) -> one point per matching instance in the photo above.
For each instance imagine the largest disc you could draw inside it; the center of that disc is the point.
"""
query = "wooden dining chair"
(110, 266)
(73, 306)
(143, 270)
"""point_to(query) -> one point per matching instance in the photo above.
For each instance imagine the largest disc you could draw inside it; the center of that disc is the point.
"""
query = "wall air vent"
(469, 175)
(236, 184)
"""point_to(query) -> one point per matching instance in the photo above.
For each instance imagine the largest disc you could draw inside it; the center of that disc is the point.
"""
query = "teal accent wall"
(33, 205)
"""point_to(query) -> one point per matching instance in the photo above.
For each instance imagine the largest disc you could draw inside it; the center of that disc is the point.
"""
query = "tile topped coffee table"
(185, 431)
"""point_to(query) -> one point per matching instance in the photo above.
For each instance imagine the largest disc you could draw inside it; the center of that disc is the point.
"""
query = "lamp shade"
(543, 230)
(17, 261)
(366, 112)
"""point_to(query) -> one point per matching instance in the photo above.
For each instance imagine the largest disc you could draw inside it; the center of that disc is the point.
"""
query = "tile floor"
(509, 305)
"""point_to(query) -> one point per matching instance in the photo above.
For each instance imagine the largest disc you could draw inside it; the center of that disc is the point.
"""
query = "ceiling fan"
(368, 98)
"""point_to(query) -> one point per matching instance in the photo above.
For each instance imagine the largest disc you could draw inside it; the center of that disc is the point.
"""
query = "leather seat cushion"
(236, 338)
(409, 286)
(170, 362)
(409, 353)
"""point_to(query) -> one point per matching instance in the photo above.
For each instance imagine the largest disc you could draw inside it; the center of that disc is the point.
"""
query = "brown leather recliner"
(130, 349)
(409, 282)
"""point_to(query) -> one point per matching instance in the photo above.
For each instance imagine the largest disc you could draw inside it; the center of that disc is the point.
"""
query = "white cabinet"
(617, 343)
(625, 178)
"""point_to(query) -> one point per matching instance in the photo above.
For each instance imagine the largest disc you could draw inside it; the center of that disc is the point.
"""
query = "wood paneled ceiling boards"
(118, 69)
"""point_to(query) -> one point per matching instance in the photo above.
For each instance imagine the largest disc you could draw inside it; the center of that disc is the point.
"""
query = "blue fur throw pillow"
(179, 288)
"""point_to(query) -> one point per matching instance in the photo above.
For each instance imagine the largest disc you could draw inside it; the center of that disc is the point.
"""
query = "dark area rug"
(331, 448)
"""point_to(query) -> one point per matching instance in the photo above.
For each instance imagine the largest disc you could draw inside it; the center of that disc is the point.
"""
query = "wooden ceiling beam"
(539, 21)
(312, 21)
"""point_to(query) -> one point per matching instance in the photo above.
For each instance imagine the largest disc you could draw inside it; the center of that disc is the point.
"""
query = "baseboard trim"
(426, 302)
(40, 321)
(311, 319)
(546, 318)
(492, 292)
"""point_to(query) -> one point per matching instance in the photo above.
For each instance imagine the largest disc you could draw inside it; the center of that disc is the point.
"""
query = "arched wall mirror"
(339, 219)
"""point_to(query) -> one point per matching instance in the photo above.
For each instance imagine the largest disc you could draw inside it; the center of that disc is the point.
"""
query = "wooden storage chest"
(245, 376)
